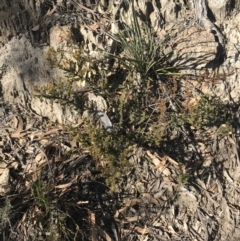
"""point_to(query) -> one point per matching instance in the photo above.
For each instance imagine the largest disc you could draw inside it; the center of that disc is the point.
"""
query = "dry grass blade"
(80, 7)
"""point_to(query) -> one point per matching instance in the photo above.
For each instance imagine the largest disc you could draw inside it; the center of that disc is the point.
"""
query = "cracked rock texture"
(29, 28)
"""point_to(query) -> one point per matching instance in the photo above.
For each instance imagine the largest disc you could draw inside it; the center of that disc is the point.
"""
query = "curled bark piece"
(202, 18)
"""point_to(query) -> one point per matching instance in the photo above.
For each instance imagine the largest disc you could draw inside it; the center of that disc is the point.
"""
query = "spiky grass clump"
(142, 51)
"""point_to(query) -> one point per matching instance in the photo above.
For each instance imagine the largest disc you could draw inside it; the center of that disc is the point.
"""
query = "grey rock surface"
(29, 28)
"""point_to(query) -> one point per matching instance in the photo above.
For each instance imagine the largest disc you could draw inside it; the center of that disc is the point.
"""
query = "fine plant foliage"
(5, 209)
(206, 112)
(141, 50)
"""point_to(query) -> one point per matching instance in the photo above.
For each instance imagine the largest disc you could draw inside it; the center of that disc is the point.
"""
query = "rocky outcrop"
(29, 28)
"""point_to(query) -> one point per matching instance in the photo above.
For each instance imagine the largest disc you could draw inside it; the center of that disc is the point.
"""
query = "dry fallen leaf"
(234, 208)
(15, 122)
(194, 101)
(39, 135)
(2, 166)
(142, 230)
(166, 171)
(130, 203)
(94, 26)
(40, 156)
(62, 186)
(82, 202)
(150, 198)
(19, 134)
(154, 158)
(173, 162)
(51, 11)
(35, 28)
(96, 230)
(159, 163)
(73, 142)
(201, 146)
(132, 219)
(4, 177)
(227, 176)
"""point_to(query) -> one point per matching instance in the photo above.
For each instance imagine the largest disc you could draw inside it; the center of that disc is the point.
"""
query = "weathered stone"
(27, 68)
(217, 4)
(194, 48)
(219, 8)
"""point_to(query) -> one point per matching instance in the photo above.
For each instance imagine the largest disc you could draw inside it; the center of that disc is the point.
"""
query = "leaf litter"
(46, 178)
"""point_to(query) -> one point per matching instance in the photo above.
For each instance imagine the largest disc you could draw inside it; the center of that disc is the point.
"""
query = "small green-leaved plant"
(225, 129)
(206, 112)
(65, 91)
(41, 195)
(139, 114)
(50, 217)
(182, 177)
(110, 150)
(5, 210)
(139, 101)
